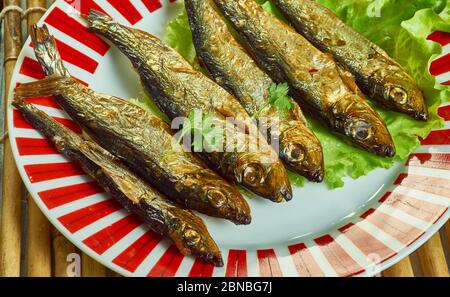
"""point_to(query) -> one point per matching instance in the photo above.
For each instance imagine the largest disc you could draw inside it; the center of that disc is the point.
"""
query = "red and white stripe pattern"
(415, 202)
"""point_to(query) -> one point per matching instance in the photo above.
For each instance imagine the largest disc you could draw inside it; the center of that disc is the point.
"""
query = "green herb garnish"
(278, 97)
(202, 128)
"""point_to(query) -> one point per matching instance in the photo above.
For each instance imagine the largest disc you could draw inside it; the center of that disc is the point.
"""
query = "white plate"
(360, 229)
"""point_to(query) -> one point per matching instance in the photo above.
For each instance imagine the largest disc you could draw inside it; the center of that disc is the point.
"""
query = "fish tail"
(46, 51)
(30, 112)
(123, 37)
(42, 122)
(45, 87)
(99, 22)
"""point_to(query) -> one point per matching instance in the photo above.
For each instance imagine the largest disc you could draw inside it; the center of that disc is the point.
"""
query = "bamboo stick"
(34, 16)
(401, 269)
(432, 258)
(64, 255)
(39, 237)
(12, 185)
(91, 268)
(39, 242)
(115, 274)
(446, 230)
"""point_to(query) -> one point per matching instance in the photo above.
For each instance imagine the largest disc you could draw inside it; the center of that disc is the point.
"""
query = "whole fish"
(377, 74)
(178, 89)
(233, 69)
(315, 80)
(137, 137)
(187, 231)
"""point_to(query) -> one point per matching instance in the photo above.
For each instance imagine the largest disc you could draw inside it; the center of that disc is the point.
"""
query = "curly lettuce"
(401, 28)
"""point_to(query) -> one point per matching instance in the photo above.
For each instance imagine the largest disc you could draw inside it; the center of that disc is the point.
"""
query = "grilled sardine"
(178, 89)
(187, 231)
(137, 137)
(316, 81)
(233, 69)
(377, 74)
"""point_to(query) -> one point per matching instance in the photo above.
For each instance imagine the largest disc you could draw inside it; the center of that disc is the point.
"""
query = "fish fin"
(349, 81)
(383, 55)
(299, 113)
(46, 51)
(45, 87)
(381, 52)
(229, 113)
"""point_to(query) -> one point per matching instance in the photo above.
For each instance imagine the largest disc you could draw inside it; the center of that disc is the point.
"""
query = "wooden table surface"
(30, 246)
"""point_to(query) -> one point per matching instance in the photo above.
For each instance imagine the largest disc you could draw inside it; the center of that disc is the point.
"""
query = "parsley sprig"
(204, 131)
(278, 97)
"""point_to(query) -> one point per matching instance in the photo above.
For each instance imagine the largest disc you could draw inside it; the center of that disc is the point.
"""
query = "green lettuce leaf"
(398, 26)
(179, 36)
(146, 102)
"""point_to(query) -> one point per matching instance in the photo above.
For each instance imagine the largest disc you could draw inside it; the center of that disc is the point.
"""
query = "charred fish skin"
(377, 74)
(178, 89)
(139, 139)
(187, 231)
(233, 69)
(316, 81)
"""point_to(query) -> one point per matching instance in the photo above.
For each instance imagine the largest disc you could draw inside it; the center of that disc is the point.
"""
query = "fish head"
(403, 93)
(361, 123)
(302, 151)
(264, 174)
(225, 197)
(194, 238)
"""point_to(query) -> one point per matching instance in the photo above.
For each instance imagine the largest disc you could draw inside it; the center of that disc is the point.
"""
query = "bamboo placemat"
(30, 246)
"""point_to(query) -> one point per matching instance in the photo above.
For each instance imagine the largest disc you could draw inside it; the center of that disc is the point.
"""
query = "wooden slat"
(44, 248)
(62, 248)
(10, 232)
(401, 269)
(432, 258)
(39, 242)
(91, 268)
(446, 230)
(39, 237)
(34, 16)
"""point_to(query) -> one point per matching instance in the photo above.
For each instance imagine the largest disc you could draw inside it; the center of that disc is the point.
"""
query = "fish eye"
(192, 237)
(361, 131)
(399, 95)
(217, 197)
(294, 152)
(253, 175)
(362, 134)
